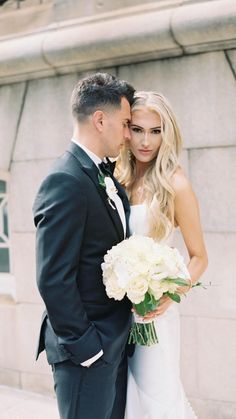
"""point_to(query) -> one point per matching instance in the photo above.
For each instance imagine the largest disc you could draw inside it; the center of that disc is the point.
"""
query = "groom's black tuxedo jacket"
(75, 227)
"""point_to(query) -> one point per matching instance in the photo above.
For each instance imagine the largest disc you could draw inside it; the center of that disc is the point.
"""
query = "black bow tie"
(107, 168)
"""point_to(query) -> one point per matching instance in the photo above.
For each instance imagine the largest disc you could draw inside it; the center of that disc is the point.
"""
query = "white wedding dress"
(154, 388)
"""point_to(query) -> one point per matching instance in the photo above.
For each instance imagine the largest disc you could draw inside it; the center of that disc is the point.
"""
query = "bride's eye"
(136, 129)
(156, 131)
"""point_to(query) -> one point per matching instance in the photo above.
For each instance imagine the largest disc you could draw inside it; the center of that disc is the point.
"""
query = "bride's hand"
(164, 304)
(184, 289)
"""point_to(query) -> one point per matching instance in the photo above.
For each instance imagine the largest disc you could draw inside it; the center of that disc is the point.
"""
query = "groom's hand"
(91, 361)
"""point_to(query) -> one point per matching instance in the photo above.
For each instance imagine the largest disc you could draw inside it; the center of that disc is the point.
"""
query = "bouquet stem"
(143, 334)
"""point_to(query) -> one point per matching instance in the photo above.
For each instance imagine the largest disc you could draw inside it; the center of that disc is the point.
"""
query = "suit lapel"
(122, 194)
(91, 170)
(125, 201)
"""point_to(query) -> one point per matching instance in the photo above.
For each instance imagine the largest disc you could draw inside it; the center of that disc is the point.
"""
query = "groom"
(83, 331)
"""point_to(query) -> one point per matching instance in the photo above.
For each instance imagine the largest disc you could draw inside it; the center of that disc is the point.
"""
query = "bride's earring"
(130, 155)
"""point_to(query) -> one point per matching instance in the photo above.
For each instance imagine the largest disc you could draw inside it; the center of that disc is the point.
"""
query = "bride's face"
(145, 130)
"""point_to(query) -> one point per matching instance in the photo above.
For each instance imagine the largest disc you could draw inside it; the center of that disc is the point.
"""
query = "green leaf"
(174, 297)
(147, 305)
(182, 282)
(198, 284)
(178, 281)
(140, 309)
(143, 334)
(101, 181)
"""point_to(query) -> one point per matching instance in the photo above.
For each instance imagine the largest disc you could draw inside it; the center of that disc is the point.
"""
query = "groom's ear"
(98, 120)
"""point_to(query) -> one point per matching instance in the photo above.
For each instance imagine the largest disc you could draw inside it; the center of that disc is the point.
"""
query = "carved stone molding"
(115, 38)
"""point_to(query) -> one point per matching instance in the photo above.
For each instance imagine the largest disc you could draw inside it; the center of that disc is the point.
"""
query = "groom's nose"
(127, 135)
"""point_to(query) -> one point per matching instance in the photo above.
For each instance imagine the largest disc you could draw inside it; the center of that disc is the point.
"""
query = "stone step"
(19, 404)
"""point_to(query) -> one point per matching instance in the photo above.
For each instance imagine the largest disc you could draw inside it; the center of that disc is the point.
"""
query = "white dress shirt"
(117, 201)
(119, 206)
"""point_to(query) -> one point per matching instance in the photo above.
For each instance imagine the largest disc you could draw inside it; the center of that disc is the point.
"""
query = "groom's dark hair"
(101, 90)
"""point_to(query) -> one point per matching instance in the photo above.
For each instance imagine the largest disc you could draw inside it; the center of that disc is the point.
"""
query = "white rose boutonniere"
(111, 191)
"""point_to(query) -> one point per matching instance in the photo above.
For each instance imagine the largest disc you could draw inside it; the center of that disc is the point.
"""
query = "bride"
(161, 199)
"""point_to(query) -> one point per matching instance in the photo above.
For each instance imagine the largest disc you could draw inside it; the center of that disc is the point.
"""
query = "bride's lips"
(145, 151)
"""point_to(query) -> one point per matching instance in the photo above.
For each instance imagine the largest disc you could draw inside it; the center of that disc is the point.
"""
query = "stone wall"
(35, 127)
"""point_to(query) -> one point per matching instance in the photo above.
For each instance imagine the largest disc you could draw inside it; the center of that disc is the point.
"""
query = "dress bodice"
(138, 222)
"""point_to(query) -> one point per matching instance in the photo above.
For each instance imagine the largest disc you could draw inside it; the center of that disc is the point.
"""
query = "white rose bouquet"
(144, 271)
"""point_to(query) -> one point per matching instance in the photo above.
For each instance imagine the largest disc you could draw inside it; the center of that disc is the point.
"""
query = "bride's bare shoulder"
(180, 182)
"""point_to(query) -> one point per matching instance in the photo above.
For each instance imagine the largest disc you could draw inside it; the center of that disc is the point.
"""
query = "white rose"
(156, 289)
(110, 187)
(158, 276)
(137, 289)
(108, 275)
(141, 267)
(166, 286)
(170, 287)
(122, 274)
(114, 291)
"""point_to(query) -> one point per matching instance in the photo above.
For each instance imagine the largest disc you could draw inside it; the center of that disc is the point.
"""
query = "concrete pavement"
(19, 404)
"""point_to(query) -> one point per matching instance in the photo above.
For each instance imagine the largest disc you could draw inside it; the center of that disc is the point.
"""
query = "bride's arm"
(187, 217)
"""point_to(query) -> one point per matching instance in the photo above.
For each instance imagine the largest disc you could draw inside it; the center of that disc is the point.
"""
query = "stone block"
(9, 377)
(26, 178)
(217, 300)
(149, 31)
(38, 383)
(216, 359)
(23, 258)
(24, 54)
(202, 91)
(9, 354)
(213, 176)
(231, 55)
(27, 405)
(111, 70)
(29, 18)
(87, 46)
(29, 320)
(214, 409)
(46, 123)
(206, 25)
(184, 162)
(11, 102)
(93, 7)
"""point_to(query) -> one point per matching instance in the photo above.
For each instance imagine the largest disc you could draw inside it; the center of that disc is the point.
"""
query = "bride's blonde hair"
(159, 194)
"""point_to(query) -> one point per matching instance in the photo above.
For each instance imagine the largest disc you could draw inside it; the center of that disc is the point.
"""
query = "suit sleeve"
(60, 212)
